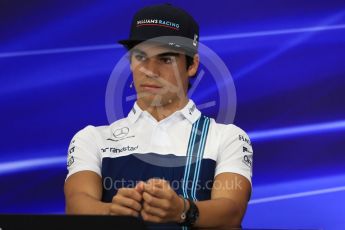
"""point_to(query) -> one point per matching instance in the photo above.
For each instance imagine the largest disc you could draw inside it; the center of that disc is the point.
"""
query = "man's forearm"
(218, 213)
(84, 204)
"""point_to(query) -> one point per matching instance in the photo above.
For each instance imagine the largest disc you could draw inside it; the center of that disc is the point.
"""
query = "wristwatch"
(192, 214)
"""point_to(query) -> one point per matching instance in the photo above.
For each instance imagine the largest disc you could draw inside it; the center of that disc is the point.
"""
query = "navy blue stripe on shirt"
(194, 155)
(200, 155)
(128, 170)
(191, 142)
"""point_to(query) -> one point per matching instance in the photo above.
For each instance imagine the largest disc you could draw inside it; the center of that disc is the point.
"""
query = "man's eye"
(167, 60)
(140, 57)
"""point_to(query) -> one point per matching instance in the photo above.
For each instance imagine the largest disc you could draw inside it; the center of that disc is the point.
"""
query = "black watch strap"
(192, 214)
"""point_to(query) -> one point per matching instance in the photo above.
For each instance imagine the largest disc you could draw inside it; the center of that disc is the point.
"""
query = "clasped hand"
(154, 200)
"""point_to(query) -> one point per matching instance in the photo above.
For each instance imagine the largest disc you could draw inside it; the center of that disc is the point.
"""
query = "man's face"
(160, 74)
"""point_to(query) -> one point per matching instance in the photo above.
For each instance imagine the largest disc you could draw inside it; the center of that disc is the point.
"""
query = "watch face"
(196, 215)
(193, 214)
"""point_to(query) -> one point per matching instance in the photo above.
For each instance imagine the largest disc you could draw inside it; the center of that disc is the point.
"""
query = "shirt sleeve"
(235, 153)
(83, 152)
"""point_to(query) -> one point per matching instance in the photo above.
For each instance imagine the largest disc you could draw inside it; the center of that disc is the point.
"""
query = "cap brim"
(165, 40)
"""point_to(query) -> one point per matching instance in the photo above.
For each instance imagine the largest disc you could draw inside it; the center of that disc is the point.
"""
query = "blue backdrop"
(287, 62)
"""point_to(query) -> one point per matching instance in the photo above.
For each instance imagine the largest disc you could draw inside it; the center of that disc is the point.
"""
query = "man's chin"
(153, 100)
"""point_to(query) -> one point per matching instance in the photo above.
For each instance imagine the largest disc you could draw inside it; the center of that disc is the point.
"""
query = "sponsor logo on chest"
(119, 150)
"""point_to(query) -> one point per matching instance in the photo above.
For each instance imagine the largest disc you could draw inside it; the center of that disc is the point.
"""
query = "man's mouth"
(150, 86)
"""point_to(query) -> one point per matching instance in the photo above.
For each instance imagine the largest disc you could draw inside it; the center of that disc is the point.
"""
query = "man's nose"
(151, 68)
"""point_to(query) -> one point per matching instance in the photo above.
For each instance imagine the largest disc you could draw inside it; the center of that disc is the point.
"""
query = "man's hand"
(161, 203)
(127, 201)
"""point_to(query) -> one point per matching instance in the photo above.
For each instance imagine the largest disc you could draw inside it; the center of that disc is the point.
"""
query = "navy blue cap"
(174, 25)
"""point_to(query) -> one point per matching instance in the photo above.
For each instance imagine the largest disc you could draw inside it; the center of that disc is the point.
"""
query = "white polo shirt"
(138, 147)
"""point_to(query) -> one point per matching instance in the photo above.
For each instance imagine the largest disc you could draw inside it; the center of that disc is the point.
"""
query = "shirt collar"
(189, 112)
(135, 113)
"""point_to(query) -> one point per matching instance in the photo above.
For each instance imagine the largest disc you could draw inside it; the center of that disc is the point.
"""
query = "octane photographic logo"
(118, 83)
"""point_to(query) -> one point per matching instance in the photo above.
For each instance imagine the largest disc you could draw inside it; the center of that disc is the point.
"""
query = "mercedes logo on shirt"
(121, 133)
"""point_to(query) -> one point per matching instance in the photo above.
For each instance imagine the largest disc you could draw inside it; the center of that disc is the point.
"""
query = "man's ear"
(192, 69)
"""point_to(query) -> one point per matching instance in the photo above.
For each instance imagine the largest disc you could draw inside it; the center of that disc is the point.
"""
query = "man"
(165, 162)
